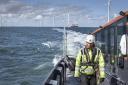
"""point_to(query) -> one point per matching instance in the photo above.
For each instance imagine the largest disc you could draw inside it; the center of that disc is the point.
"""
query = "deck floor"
(72, 81)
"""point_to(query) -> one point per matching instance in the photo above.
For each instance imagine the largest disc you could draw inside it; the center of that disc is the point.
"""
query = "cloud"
(95, 17)
(10, 6)
(38, 17)
(4, 1)
(16, 9)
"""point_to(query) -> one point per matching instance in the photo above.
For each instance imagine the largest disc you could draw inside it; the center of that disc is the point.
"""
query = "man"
(88, 61)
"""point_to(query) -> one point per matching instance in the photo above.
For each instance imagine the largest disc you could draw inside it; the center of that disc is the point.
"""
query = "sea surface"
(27, 54)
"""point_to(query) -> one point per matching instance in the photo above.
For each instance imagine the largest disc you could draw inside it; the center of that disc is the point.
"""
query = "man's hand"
(101, 80)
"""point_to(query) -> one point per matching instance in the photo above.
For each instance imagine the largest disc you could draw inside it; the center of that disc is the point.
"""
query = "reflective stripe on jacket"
(89, 70)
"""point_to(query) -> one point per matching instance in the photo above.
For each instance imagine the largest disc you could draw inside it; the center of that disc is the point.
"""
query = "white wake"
(75, 41)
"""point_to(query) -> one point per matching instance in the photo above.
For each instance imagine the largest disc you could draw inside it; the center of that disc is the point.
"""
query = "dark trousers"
(88, 80)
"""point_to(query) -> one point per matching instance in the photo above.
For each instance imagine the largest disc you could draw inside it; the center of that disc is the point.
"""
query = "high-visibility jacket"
(81, 58)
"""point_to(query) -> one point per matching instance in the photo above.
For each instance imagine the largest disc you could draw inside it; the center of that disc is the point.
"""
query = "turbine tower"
(0, 20)
(53, 21)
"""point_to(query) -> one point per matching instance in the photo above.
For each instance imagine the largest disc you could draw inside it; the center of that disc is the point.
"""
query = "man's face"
(89, 45)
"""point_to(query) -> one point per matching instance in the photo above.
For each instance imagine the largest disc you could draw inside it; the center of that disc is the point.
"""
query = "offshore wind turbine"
(0, 20)
(39, 18)
(68, 22)
(53, 21)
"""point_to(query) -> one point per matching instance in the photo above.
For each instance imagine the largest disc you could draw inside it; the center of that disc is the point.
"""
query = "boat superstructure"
(108, 37)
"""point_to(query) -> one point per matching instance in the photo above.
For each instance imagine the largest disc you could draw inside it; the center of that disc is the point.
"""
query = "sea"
(28, 54)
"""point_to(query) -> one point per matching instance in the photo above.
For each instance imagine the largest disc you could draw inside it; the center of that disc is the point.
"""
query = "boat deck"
(72, 81)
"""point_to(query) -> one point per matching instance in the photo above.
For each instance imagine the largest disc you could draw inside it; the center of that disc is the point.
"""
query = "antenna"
(109, 3)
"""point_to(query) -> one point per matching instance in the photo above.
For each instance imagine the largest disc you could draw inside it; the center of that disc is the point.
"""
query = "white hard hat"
(90, 39)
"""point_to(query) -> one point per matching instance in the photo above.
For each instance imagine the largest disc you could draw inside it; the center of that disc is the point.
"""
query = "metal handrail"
(116, 78)
(56, 71)
(114, 20)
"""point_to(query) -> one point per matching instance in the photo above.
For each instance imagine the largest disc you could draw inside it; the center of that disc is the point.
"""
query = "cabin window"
(103, 41)
(98, 39)
(121, 30)
(108, 41)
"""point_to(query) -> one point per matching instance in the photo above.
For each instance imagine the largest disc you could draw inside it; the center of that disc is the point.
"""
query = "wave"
(51, 44)
(41, 66)
(58, 29)
(56, 59)
(19, 50)
(48, 44)
(75, 41)
(7, 50)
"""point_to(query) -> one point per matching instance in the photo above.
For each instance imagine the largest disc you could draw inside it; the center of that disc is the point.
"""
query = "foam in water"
(51, 44)
(75, 41)
(41, 66)
(56, 59)
(48, 44)
(58, 29)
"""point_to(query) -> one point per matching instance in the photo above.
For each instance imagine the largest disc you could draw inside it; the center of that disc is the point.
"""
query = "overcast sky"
(87, 13)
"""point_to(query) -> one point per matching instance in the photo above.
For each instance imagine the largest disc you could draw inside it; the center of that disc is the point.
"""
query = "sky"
(85, 13)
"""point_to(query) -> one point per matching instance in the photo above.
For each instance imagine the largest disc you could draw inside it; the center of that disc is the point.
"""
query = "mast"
(64, 42)
(109, 3)
(65, 37)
